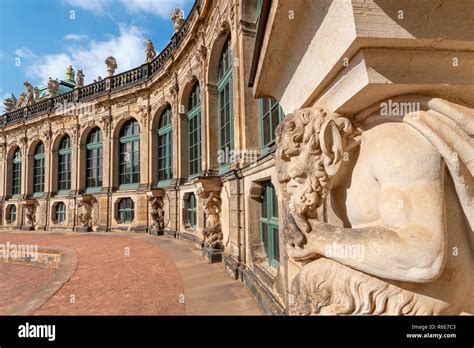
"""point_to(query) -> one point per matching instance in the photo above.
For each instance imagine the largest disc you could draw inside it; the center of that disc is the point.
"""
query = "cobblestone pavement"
(18, 282)
(134, 274)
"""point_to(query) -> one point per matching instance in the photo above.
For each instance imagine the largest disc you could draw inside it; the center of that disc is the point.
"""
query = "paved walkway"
(131, 274)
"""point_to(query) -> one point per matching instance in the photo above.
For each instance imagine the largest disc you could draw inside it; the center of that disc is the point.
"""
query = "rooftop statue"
(111, 65)
(28, 97)
(80, 78)
(149, 51)
(10, 103)
(53, 87)
(70, 74)
(177, 17)
(366, 200)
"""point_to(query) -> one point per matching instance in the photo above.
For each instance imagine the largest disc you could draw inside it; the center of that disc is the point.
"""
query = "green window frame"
(129, 166)
(16, 173)
(126, 210)
(38, 169)
(192, 211)
(11, 214)
(271, 114)
(94, 158)
(269, 224)
(225, 110)
(194, 131)
(60, 213)
(165, 147)
(64, 164)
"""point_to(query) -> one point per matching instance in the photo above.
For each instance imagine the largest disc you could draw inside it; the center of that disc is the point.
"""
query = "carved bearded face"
(310, 149)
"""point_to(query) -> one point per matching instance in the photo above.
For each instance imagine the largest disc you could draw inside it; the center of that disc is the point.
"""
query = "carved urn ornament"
(111, 63)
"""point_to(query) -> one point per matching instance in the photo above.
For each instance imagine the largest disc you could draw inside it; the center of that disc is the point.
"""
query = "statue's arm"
(407, 243)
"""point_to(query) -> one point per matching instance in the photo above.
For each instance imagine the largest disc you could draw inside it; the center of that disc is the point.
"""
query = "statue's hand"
(299, 246)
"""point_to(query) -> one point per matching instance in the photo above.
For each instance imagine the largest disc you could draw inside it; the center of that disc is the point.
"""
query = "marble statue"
(212, 233)
(53, 87)
(157, 212)
(70, 74)
(177, 17)
(149, 51)
(111, 63)
(29, 95)
(80, 78)
(85, 215)
(380, 209)
(10, 103)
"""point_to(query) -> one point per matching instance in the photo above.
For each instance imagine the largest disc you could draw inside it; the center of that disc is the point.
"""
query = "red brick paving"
(107, 281)
(18, 282)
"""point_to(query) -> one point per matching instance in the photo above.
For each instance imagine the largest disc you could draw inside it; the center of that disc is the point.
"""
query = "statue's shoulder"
(397, 150)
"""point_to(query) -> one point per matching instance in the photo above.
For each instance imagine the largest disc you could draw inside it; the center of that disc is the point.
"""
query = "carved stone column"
(85, 212)
(209, 192)
(157, 212)
(29, 214)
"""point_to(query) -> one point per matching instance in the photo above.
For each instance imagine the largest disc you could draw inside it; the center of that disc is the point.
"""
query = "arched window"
(16, 173)
(269, 224)
(165, 145)
(60, 213)
(11, 213)
(271, 115)
(194, 131)
(191, 209)
(130, 153)
(94, 154)
(126, 210)
(64, 164)
(224, 87)
(38, 169)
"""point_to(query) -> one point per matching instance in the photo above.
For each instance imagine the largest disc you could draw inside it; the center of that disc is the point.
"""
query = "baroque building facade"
(193, 144)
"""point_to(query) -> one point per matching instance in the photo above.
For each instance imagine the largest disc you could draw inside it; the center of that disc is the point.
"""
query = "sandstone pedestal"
(212, 255)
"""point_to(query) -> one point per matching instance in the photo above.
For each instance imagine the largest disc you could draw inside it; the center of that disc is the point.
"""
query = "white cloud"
(95, 6)
(127, 48)
(75, 37)
(24, 52)
(160, 8)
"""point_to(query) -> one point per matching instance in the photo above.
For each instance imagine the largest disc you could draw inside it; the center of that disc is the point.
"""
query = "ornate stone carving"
(212, 208)
(80, 78)
(174, 88)
(10, 103)
(30, 214)
(111, 63)
(149, 51)
(144, 112)
(367, 241)
(177, 17)
(157, 212)
(53, 87)
(29, 95)
(85, 211)
(190, 77)
(70, 74)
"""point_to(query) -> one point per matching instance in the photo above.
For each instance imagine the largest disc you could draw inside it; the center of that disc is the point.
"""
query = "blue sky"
(41, 38)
